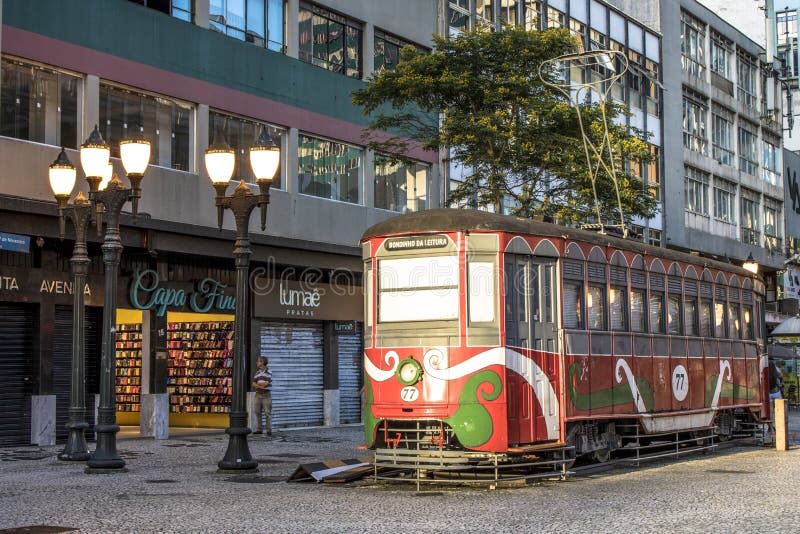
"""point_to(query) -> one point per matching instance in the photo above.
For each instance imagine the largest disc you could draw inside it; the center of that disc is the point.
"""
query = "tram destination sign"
(416, 243)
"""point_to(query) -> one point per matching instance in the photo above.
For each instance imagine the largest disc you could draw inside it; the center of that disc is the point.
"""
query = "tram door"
(530, 303)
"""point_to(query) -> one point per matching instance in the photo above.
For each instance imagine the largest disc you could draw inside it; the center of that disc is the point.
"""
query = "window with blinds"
(747, 322)
(573, 317)
(734, 323)
(719, 319)
(705, 318)
(674, 315)
(690, 315)
(656, 307)
(638, 315)
(617, 307)
(596, 307)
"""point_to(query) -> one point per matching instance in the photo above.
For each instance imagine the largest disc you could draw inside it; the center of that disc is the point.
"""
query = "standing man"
(262, 384)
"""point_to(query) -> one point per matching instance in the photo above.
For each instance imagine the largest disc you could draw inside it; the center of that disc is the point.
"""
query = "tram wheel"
(601, 455)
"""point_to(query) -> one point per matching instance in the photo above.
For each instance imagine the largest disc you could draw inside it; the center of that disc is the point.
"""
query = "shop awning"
(789, 327)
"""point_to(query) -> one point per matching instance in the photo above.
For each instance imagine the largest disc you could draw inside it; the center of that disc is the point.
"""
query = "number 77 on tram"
(492, 333)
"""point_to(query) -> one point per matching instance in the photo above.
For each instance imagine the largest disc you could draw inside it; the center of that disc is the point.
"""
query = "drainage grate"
(250, 479)
(10, 456)
(730, 472)
(161, 481)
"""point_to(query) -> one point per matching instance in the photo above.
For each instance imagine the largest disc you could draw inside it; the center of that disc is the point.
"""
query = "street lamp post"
(220, 160)
(135, 154)
(62, 180)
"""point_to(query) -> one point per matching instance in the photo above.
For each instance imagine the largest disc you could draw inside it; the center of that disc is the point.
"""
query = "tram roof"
(450, 219)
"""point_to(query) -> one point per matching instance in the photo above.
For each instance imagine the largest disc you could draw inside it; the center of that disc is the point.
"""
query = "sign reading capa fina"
(209, 295)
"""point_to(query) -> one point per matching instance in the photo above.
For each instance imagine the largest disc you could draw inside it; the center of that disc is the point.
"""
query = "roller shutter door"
(294, 351)
(62, 366)
(16, 357)
(350, 359)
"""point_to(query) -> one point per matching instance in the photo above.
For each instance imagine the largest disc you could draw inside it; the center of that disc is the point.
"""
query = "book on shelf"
(128, 366)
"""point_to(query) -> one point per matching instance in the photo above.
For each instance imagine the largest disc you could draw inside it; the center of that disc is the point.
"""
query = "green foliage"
(480, 96)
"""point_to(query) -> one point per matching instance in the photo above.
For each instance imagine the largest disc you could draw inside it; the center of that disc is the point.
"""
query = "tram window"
(656, 313)
(719, 319)
(596, 307)
(481, 296)
(705, 318)
(418, 289)
(747, 322)
(674, 315)
(573, 318)
(638, 322)
(734, 324)
(617, 307)
(690, 315)
(548, 294)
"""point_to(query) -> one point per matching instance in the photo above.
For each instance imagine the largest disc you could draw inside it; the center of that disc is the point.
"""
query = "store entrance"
(199, 367)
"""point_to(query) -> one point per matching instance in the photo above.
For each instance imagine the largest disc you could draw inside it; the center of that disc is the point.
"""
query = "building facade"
(183, 73)
(598, 25)
(723, 161)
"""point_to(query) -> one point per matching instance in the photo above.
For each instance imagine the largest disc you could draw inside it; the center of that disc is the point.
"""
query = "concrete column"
(369, 178)
(91, 105)
(147, 356)
(201, 12)
(330, 379)
(369, 50)
(781, 425)
(291, 163)
(43, 420)
(292, 34)
(202, 139)
(434, 188)
(154, 415)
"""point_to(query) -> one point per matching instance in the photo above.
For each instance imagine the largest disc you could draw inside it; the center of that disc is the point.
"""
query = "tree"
(480, 96)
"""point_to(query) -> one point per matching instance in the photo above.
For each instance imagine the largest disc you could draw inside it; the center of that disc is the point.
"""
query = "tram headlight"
(409, 371)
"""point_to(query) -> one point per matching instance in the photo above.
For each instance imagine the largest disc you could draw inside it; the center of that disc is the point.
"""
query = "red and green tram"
(492, 333)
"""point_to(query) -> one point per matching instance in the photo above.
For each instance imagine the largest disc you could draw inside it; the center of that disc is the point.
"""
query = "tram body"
(492, 333)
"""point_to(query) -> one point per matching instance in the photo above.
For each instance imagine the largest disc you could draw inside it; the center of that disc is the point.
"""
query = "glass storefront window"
(38, 103)
(241, 134)
(400, 186)
(328, 169)
(162, 121)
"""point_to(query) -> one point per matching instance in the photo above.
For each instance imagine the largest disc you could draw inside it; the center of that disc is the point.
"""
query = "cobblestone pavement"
(173, 486)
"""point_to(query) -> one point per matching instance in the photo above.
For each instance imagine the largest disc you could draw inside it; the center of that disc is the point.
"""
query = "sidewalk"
(173, 486)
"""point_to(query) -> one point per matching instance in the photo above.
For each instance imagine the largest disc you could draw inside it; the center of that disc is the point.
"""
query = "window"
(418, 289)
(634, 79)
(696, 190)
(787, 27)
(651, 89)
(458, 15)
(596, 307)
(720, 296)
(705, 318)
(652, 175)
(771, 161)
(241, 134)
(690, 315)
(748, 80)
(749, 219)
(724, 200)
(387, 50)
(722, 135)
(693, 37)
(721, 54)
(180, 9)
(656, 312)
(255, 21)
(618, 298)
(484, 12)
(772, 227)
(694, 123)
(162, 121)
(674, 314)
(328, 169)
(654, 237)
(400, 186)
(733, 321)
(38, 103)
(573, 304)
(555, 18)
(748, 148)
(329, 40)
(638, 316)
(481, 276)
(747, 322)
